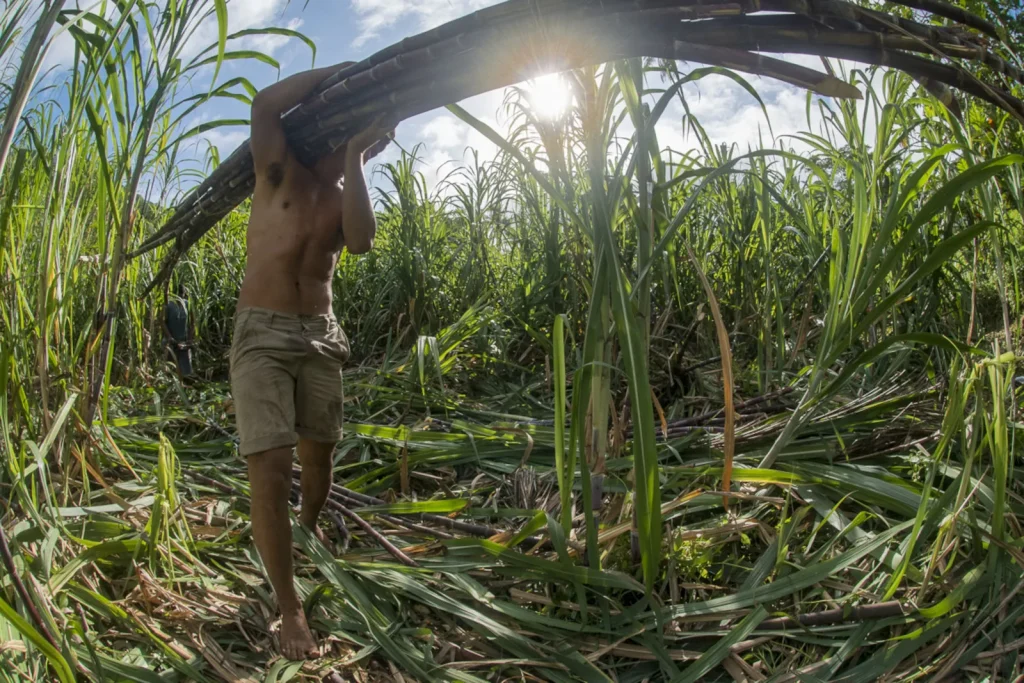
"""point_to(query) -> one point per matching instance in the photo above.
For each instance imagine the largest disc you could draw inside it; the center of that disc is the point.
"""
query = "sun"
(549, 96)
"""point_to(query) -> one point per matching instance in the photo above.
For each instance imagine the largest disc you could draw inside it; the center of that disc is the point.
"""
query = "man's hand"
(372, 140)
(366, 144)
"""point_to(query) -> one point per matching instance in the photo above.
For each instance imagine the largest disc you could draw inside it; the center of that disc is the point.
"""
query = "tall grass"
(694, 391)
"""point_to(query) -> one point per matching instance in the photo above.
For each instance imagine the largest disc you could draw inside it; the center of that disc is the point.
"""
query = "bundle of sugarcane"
(515, 40)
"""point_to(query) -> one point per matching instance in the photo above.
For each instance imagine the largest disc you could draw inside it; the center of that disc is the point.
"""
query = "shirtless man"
(287, 350)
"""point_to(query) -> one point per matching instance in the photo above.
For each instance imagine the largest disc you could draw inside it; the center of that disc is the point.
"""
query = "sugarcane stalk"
(31, 60)
(377, 536)
(882, 610)
(503, 44)
(8, 561)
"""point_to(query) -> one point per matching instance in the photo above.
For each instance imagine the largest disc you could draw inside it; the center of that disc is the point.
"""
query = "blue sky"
(353, 29)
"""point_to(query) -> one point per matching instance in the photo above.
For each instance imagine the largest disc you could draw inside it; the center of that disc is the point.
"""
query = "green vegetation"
(854, 449)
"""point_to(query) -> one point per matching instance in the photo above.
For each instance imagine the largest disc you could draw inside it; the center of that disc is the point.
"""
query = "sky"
(353, 29)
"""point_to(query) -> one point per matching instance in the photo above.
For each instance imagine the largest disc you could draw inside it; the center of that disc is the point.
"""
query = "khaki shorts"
(286, 378)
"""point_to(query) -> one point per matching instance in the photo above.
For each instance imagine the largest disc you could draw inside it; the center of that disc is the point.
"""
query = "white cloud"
(376, 15)
(444, 131)
(60, 53)
(731, 116)
(444, 139)
(225, 140)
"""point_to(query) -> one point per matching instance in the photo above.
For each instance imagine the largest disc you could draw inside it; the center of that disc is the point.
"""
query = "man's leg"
(315, 458)
(319, 398)
(270, 480)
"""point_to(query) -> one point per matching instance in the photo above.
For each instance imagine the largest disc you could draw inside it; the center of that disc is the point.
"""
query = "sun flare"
(549, 96)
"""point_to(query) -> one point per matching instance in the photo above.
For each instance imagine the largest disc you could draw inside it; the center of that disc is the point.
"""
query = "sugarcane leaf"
(55, 658)
(714, 655)
(417, 507)
(221, 9)
(233, 55)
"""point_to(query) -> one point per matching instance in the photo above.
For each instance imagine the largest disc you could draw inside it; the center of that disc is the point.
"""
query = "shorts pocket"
(241, 331)
(241, 325)
(337, 342)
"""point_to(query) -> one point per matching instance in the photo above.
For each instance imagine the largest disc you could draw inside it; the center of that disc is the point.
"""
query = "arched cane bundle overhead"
(519, 39)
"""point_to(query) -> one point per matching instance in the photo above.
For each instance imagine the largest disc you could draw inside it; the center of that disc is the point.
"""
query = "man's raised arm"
(269, 147)
(358, 222)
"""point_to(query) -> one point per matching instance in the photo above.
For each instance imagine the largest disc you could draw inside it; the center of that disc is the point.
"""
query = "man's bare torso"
(293, 241)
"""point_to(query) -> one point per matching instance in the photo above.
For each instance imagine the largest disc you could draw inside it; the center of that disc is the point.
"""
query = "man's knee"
(272, 468)
(315, 454)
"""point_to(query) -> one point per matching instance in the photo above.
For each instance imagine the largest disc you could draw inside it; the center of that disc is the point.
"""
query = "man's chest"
(299, 221)
(314, 212)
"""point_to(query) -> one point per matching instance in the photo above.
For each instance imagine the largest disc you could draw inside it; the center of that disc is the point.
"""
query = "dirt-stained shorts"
(286, 378)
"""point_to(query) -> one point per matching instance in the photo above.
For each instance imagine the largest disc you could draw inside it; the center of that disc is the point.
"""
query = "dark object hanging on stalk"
(177, 329)
(507, 43)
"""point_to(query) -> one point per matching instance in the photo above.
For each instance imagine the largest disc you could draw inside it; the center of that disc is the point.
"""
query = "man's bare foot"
(297, 641)
(319, 533)
(315, 529)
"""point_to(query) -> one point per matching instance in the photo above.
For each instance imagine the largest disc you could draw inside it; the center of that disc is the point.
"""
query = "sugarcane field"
(625, 341)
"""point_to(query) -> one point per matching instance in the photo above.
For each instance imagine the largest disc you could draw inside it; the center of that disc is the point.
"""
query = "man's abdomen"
(287, 281)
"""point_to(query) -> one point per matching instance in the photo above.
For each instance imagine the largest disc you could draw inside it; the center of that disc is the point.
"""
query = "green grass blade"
(56, 659)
